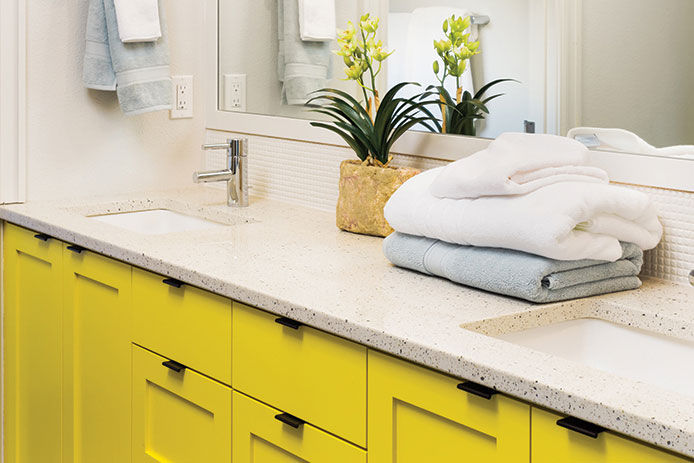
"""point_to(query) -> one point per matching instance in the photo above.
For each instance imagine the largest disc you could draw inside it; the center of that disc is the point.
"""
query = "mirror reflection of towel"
(303, 67)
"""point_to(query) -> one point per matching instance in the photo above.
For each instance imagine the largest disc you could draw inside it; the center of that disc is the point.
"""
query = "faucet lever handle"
(217, 146)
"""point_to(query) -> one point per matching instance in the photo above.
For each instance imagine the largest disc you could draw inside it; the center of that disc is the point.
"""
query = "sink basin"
(628, 352)
(156, 222)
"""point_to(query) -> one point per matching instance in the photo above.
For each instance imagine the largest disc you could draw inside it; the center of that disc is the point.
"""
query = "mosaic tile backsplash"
(308, 173)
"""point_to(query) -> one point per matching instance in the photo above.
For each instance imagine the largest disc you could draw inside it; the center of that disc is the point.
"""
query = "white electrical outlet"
(235, 92)
(182, 97)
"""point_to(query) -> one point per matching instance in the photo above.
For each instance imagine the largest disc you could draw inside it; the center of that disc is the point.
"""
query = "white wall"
(78, 141)
(637, 68)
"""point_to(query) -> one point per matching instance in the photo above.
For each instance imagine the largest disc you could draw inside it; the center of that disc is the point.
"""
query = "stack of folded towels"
(527, 217)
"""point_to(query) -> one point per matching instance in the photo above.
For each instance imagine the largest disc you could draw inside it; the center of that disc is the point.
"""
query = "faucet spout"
(235, 174)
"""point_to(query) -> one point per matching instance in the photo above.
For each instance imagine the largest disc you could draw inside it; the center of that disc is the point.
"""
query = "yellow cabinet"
(33, 295)
(96, 356)
(179, 416)
(554, 444)
(417, 415)
(263, 434)
(313, 375)
(183, 322)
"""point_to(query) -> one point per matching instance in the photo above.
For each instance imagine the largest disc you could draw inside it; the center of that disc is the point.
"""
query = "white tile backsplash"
(308, 174)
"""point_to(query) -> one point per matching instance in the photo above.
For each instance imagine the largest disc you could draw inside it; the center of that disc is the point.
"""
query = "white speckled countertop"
(293, 261)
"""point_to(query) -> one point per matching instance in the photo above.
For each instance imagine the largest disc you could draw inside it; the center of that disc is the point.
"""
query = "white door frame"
(12, 101)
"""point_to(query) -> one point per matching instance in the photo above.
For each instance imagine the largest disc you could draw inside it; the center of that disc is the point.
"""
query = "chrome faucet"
(235, 174)
(691, 277)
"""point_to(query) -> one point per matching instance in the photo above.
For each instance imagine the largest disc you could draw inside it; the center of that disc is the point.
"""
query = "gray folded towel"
(303, 67)
(515, 273)
(138, 72)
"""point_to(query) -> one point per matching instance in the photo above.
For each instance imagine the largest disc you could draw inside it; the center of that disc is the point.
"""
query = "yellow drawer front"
(32, 294)
(417, 415)
(315, 376)
(261, 438)
(554, 444)
(178, 417)
(188, 324)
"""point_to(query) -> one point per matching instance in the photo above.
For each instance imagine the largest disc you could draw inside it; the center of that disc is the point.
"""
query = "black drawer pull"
(75, 248)
(175, 366)
(42, 237)
(581, 427)
(290, 420)
(477, 389)
(173, 282)
(288, 322)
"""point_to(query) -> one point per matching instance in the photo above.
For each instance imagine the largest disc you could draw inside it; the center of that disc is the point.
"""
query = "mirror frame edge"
(561, 91)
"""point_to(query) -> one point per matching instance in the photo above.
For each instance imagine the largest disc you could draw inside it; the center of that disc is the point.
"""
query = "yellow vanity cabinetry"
(418, 415)
(263, 434)
(96, 358)
(315, 376)
(33, 340)
(552, 443)
(183, 322)
(179, 415)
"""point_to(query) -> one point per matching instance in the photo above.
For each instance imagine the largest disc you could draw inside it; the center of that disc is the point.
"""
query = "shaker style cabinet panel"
(418, 415)
(33, 301)
(184, 323)
(555, 444)
(179, 416)
(313, 375)
(263, 434)
(96, 357)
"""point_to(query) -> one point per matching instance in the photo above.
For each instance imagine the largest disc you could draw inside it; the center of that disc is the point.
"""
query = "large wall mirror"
(621, 78)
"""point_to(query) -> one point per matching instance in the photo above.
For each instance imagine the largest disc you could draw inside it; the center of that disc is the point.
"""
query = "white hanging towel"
(138, 20)
(317, 21)
(515, 164)
(624, 140)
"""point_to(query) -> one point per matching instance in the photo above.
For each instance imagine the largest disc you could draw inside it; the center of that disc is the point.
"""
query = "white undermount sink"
(156, 222)
(628, 352)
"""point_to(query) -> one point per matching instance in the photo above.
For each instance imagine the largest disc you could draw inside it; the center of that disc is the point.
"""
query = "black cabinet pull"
(288, 322)
(290, 420)
(175, 366)
(173, 282)
(42, 237)
(77, 249)
(477, 389)
(580, 426)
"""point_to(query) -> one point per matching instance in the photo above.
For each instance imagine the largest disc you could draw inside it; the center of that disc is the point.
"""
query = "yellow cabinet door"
(554, 444)
(417, 415)
(33, 301)
(260, 436)
(96, 357)
(303, 371)
(179, 416)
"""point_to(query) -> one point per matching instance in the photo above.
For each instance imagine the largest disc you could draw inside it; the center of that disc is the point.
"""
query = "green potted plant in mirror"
(370, 128)
(459, 116)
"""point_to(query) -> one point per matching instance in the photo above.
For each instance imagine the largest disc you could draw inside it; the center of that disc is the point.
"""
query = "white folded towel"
(317, 20)
(517, 163)
(138, 20)
(624, 140)
(563, 221)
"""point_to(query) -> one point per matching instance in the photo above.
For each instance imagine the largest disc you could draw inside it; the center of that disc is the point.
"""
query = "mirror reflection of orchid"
(460, 115)
(372, 127)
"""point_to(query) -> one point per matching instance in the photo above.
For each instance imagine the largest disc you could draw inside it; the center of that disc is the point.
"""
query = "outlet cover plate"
(235, 92)
(182, 97)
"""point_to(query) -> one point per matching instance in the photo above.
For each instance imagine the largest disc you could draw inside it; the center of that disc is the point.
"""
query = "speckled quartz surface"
(294, 262)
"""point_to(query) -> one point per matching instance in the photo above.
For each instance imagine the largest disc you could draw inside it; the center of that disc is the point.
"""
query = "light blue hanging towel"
(138, 72)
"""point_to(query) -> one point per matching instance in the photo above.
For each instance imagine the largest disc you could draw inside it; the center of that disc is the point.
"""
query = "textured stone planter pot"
(364, 191)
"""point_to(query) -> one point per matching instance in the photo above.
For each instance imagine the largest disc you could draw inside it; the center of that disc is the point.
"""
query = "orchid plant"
(372, 127)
